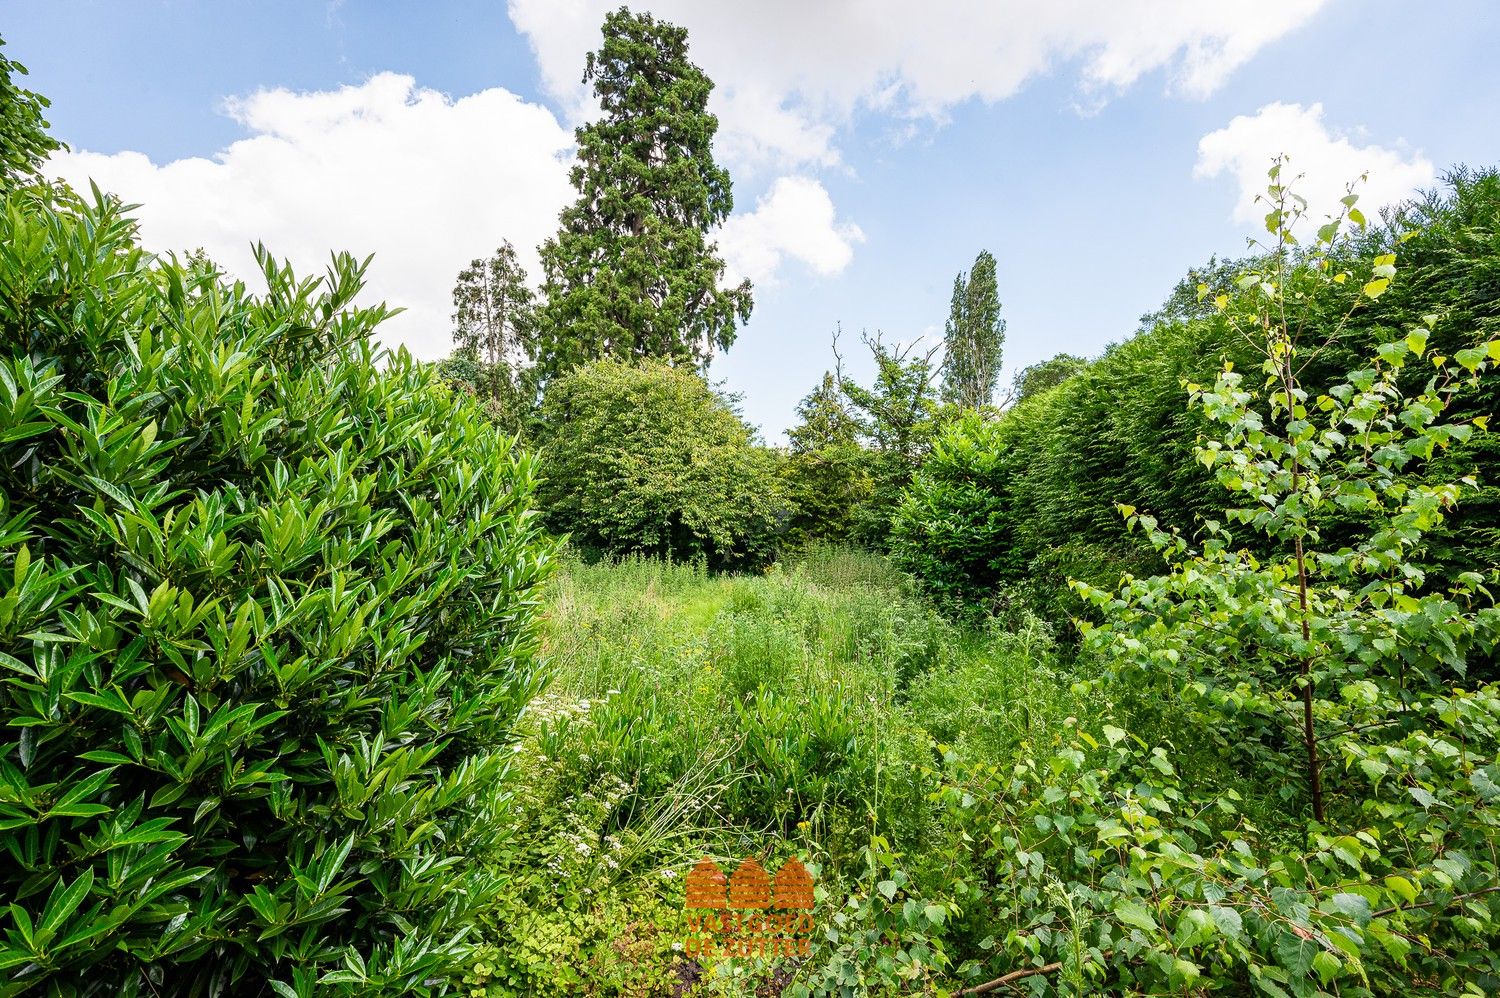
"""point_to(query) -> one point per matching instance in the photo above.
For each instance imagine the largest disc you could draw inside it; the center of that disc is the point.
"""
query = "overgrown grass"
(801, 711)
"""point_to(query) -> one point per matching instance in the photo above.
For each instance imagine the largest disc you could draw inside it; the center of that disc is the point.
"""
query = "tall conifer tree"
(632, 272)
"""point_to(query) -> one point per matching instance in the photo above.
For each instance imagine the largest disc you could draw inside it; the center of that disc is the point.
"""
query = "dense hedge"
(1119, 430)
(649, 459)
(266, 607)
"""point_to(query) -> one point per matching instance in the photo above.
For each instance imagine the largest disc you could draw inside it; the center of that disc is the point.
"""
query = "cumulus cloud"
(425, 182)
(1327, 160)
(795, 219)
(790, 73)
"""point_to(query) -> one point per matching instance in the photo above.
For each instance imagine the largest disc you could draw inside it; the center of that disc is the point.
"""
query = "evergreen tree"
(827, 473)
(24, 142)
(631, 273)
(974, 337)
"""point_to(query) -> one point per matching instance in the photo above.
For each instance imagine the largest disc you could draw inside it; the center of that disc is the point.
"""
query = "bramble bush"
(266, 623)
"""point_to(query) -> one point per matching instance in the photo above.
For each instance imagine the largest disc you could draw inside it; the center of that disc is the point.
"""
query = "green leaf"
(1355, 906)
(1134, 914)
(60, 906)
(1327, 965)
(1402, 888)
(1470, 358)
(1227, 920)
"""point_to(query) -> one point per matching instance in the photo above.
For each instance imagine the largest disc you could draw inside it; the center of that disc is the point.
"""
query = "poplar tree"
(974, 337)
(632, 273)
(494, 326)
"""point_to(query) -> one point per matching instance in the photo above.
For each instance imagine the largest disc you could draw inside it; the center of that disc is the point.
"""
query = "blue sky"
(1097, 149)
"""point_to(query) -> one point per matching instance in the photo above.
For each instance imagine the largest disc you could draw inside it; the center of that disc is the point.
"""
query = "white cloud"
(795, 219)
(1326, 160)
(791, 73)
(425, 182)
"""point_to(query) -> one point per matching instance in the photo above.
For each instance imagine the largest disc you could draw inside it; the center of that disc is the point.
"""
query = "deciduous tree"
(974, 337)
(24, 142)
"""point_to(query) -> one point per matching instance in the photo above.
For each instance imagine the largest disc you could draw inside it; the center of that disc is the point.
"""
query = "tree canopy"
(631, 273)
(974, 337)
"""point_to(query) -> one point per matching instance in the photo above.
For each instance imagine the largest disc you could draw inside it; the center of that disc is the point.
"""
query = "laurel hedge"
(266, 623)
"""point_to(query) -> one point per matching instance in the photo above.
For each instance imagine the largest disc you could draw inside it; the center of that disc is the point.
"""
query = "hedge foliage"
(1118, 432)
(266, 603)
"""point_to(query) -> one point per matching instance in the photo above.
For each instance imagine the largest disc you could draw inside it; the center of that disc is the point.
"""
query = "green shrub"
(952, 530)
(1117, 432)
(266, 606)
(649, 459)
(825, 488)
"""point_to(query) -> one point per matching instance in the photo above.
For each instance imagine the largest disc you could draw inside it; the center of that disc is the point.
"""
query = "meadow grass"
(821, 709)
(799, 705)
